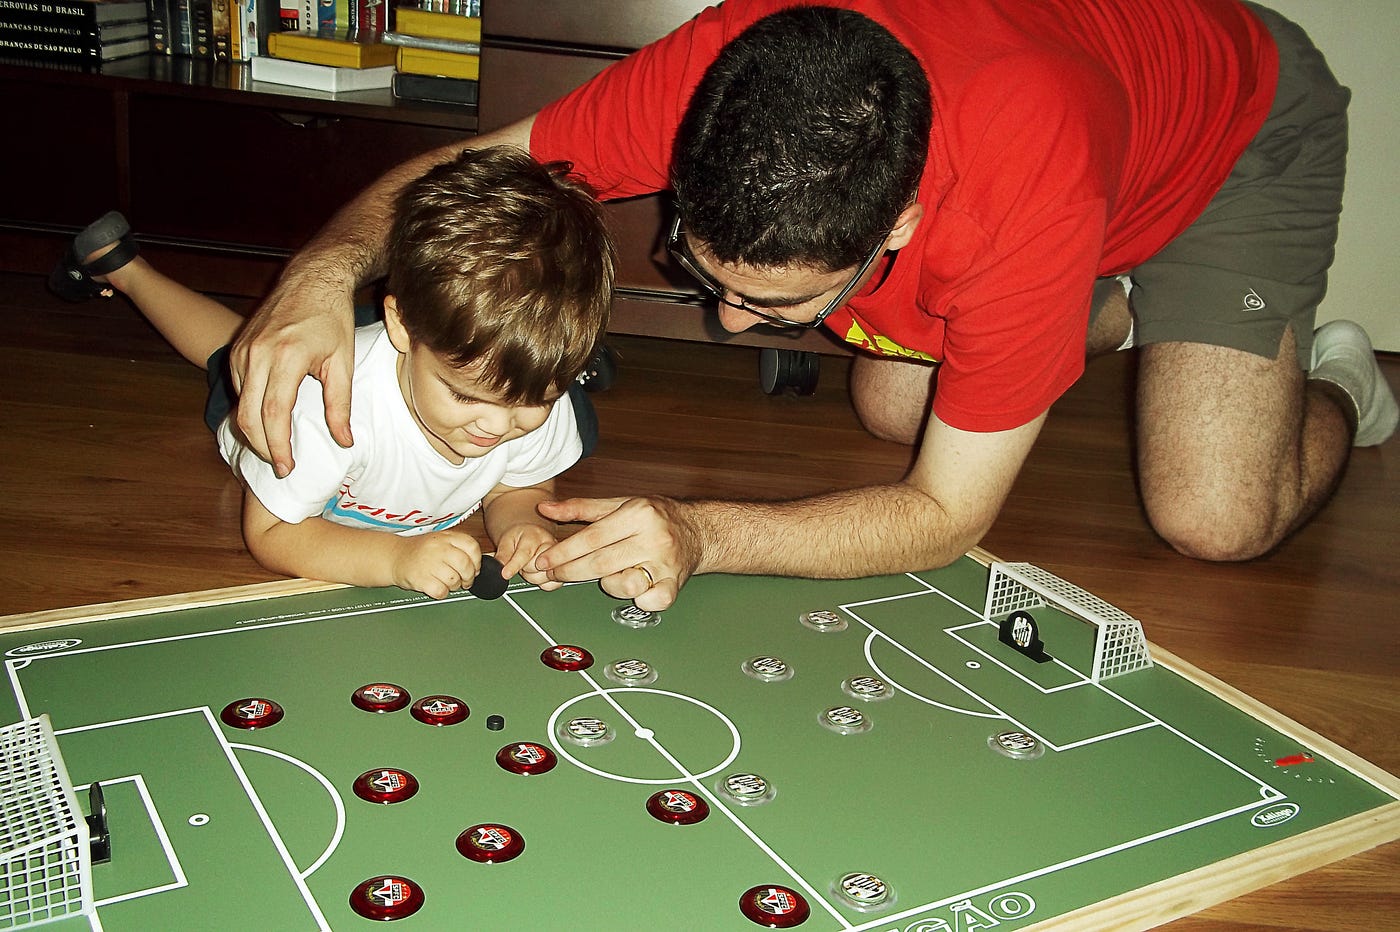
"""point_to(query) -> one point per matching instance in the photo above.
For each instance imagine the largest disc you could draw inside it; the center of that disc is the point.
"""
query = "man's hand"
(624, 535)
(306, 326)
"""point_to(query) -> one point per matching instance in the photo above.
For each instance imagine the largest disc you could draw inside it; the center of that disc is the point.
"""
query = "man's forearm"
(840, 535)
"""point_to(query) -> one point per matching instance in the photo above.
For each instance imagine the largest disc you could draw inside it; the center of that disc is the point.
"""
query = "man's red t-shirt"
(1071, 139)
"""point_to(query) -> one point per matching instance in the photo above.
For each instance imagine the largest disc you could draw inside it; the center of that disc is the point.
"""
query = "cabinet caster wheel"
(780, 370)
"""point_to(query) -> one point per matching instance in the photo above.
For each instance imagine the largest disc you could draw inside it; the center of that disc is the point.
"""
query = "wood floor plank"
(116, 491)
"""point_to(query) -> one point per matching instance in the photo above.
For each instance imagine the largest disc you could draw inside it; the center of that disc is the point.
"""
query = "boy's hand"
(517, 549)
(436, 564)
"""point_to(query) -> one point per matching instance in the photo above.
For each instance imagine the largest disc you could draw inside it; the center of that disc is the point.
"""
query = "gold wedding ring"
(650, 581)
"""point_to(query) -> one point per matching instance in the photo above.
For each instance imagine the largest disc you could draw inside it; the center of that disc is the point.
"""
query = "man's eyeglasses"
(676, 246)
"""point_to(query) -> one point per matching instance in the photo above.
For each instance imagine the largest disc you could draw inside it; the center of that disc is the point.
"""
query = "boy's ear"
(393, 323)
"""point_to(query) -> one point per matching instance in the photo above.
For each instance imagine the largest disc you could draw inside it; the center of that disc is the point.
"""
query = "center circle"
(688, 726)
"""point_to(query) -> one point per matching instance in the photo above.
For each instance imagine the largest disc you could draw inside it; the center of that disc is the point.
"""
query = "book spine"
(373, 18)
(84, 65)
(158, 23)
(202, 29)
(68, 37)
(57, 11)
(181, 40)
(49, 49)
(260, 19)
(446, 64)
(220, 29)
(289, 16)
(339, 53)
(435, 89)
(438, 25)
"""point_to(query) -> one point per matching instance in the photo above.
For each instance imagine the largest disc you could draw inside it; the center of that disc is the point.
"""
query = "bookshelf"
(231, 177)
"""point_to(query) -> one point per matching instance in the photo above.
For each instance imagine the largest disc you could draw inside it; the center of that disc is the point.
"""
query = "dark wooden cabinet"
(234, 176)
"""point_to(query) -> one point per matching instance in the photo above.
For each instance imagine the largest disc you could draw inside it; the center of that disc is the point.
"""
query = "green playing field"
(1142, 796)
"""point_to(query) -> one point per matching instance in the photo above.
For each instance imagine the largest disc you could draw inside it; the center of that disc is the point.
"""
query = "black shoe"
(72, 278)
(601, 370)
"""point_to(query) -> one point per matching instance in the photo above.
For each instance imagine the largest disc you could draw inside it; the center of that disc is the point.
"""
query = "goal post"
(1119, 644)
(45, 857)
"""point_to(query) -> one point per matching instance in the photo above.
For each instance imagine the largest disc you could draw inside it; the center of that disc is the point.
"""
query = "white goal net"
(44, 851)
(1119, 645)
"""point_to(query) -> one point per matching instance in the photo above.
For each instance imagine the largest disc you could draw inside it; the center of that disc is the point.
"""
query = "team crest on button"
(526, 758)
(1017, 745)
(867, 688)
(678, 807)
(863, 891)
(774, 907)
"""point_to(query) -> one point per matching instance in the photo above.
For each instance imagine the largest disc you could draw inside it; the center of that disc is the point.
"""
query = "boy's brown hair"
(494, 257)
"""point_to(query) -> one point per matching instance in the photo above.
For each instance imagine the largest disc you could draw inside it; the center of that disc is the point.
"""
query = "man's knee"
(1213, 524)
(891, 397)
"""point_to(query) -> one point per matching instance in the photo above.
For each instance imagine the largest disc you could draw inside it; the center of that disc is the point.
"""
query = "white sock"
(1127, 282)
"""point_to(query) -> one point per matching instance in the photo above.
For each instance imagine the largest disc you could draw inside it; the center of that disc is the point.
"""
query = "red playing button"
(525, 757)
(380, 697)
(385, 785)
(679, 807)
(251, 713)
(440, 710)
(386, 897)
(567, 657)
(774, 907)
(490, 843)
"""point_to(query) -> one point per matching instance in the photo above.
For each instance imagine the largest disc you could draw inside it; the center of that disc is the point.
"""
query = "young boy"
(500, 279)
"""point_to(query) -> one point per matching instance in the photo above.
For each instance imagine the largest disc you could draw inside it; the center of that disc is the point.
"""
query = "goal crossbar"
(1119, 644)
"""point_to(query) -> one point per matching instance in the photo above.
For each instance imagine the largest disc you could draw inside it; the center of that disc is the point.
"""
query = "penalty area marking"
(207, 715)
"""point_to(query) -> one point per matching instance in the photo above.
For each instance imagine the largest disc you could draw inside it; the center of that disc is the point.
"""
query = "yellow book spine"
(338, 53)
(437, 25)
(443, 64)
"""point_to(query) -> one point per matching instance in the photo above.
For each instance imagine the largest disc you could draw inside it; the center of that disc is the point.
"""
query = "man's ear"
(393, 324)
(905, 225)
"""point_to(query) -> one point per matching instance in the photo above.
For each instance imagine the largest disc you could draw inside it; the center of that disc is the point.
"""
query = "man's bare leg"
(1111, 325)
(892, 396)
(1235, 451)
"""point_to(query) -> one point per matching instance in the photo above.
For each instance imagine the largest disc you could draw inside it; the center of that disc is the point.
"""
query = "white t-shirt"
(392, 479)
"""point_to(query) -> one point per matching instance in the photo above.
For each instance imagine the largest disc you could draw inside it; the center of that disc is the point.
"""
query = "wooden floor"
(116, 491)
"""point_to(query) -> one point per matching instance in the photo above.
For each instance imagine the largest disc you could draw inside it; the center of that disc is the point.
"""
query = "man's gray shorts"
(1256, 259)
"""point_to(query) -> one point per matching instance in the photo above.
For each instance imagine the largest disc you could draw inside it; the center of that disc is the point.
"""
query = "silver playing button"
(863, 891)
(845, 720)
(823, 620)
(767, 668)
(1017, 745)
(630, 672)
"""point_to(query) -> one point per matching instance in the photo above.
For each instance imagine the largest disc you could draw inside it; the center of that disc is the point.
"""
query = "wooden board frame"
(1145, 908)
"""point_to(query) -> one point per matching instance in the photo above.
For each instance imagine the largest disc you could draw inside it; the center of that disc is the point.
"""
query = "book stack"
(439, 55)
(331, 61)
(80, 32)
(205, 29)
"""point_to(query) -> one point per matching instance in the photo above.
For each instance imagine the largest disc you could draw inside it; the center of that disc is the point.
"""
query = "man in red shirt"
(967, 190)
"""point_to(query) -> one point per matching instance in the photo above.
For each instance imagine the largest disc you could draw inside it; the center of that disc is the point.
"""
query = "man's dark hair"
(803, 142)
